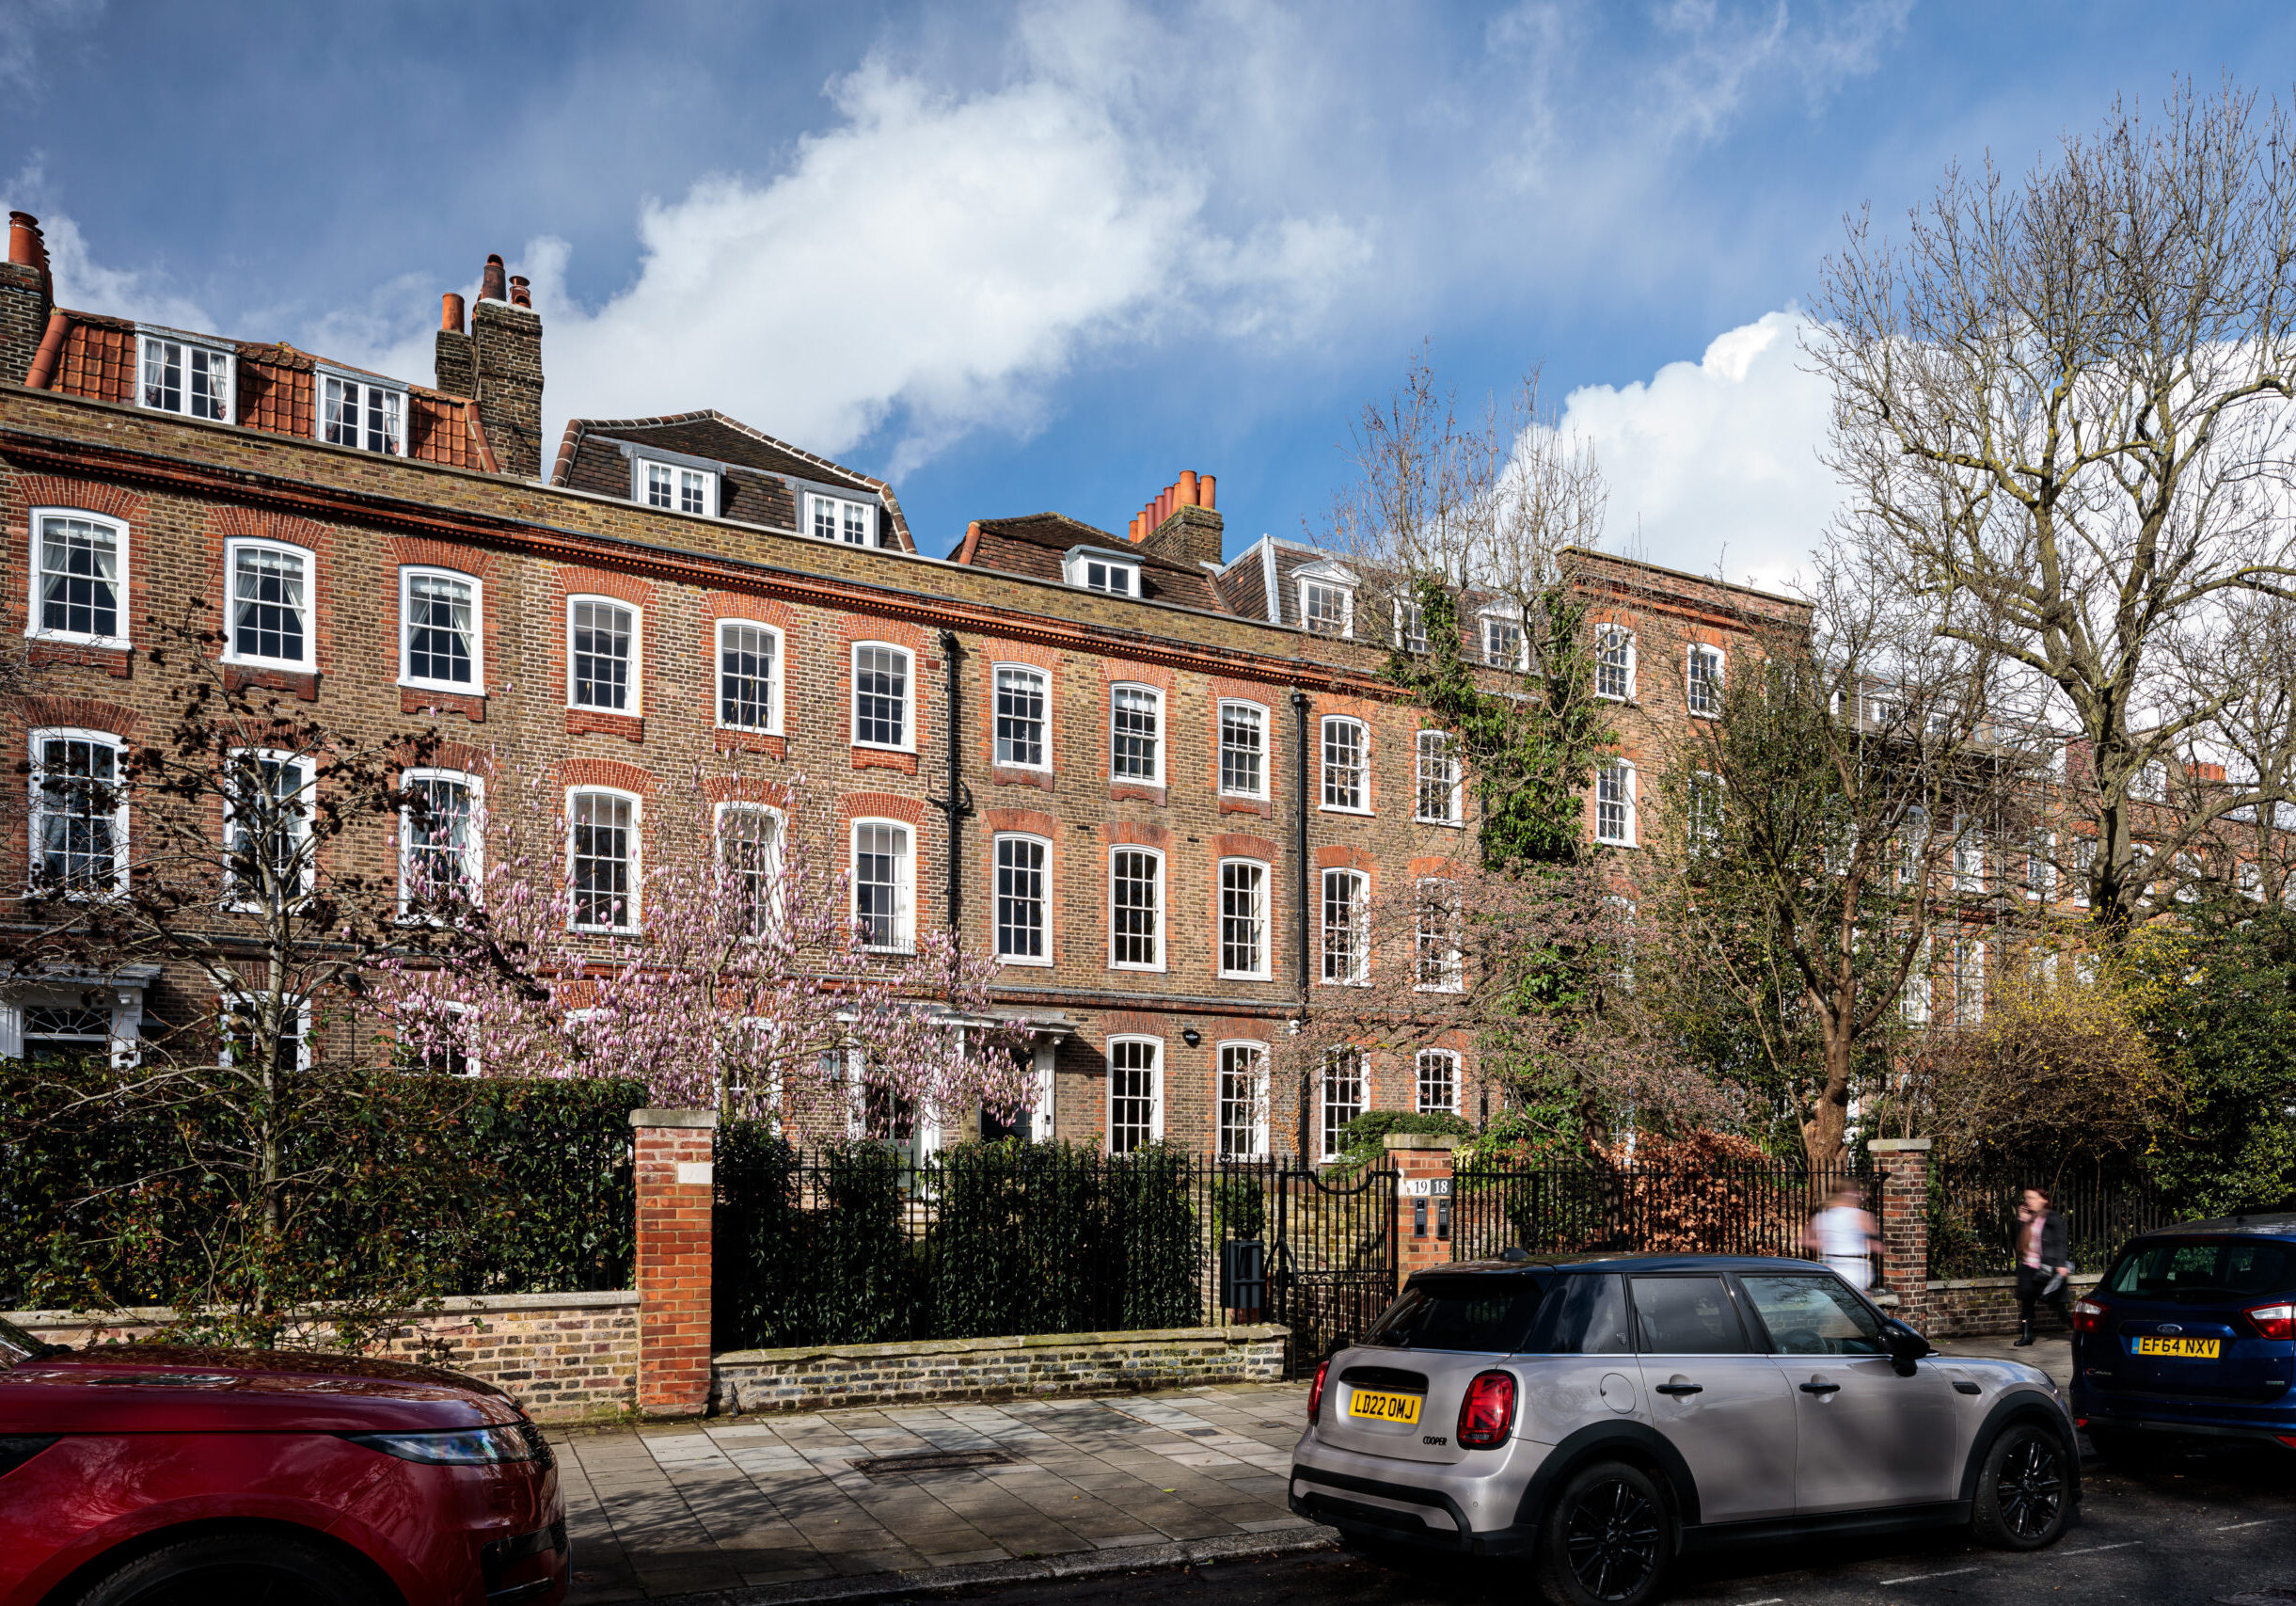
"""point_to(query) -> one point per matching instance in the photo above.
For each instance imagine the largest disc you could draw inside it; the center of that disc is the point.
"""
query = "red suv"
(138, 1476)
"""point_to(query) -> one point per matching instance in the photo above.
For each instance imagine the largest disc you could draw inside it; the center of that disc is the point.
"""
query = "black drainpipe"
(1299, 852)
(960, 802)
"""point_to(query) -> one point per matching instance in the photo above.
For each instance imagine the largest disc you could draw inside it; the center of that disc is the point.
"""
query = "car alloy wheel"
(2030, 1491)
(1612, 1535)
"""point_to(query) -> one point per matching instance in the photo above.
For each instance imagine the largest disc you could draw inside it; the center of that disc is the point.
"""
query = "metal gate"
(1331, 1262)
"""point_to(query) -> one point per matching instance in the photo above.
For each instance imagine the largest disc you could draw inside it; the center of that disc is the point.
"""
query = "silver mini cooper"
(1602, 1416)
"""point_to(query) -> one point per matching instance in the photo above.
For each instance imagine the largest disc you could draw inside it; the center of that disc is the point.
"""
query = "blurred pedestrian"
(1842, 1234)
(2044, 1260)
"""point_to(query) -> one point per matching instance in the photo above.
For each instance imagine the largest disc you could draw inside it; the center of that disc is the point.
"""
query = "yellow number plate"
(2188, 1349)
(1383, 1407)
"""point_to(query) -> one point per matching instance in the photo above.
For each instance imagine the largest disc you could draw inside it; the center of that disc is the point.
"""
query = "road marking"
(2092, 1550)
(1773, 1600)
(2258, 1523)
(1916, 1578)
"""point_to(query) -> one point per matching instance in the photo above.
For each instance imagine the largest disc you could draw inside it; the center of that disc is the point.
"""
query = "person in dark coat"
(2044, 1260)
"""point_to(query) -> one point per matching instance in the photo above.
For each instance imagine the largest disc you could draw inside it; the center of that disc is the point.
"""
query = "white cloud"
(1713, 465)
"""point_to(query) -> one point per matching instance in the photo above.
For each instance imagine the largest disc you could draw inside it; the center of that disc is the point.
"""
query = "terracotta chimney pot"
(1205, 486)
(1187, 487)
(520, 294)
(451, 311)
(25, 247)
(490, 283)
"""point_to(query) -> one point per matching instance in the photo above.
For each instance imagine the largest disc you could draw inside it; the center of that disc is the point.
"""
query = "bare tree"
(2061, 402)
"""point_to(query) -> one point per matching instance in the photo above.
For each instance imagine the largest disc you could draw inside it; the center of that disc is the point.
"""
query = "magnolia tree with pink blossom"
(725, 967)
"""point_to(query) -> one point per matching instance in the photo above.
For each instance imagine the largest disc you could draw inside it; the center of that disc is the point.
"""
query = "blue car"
(2193, 1331)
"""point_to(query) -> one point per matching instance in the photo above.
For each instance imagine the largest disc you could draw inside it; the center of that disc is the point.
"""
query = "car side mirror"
(1906, 1346)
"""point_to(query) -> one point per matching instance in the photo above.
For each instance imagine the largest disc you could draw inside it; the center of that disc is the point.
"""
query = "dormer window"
(1326, 609)
(1102, 571)
(834, 519)
(363, 414)
(678, 489)
(181, 376)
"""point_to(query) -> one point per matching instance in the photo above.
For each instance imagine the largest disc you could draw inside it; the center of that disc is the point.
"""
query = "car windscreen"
(1488, 1314)
(16, 1345)
(2205, 1268)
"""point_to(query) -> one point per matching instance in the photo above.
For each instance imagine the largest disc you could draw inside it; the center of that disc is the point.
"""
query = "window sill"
(884, 758)
(1431, 820)
(1025, 963)
(1334, 808)
(1243, 975)
(1006, 775)
(732, 738)
(1260, 806)
(304, 683)
(1135, 791)
(1609, 842)
(473, 707)
(1137, 969)
(629, 728)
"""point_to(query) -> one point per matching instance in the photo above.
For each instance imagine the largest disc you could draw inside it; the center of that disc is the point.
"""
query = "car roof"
(2261, 1224)
(1613, 1260)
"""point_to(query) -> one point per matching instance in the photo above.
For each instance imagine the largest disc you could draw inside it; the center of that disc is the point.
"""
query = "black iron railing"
(1578, 1207)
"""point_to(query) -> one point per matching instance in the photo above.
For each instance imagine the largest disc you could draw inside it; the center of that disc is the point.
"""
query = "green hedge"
(435, 1187)
(851, 1245)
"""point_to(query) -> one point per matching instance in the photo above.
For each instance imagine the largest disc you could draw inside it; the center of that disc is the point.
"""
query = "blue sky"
(1033, 256)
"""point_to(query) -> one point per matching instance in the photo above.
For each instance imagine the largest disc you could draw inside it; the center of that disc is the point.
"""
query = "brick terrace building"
(1179, 767)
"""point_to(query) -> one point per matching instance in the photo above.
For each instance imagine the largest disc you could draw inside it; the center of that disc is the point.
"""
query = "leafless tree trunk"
(2061, 403)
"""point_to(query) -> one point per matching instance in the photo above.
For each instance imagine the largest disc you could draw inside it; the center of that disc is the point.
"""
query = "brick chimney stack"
(1180, 523)
(27, 296)
(458, 356)
(506, 371)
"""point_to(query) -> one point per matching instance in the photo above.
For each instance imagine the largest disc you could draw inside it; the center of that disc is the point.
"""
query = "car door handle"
(1680, 1389)
(1814, 1387)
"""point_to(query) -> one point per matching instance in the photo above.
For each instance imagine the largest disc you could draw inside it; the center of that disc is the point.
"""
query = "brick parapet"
(677, 1197)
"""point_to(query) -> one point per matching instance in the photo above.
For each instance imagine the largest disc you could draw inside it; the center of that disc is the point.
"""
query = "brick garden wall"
(819, 1376)
(562, 1355)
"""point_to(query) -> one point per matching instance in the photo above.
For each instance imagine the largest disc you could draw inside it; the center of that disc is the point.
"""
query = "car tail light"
(1315, 1395)
(2274, 1321)
(1486, 1416)
(2089, 1316)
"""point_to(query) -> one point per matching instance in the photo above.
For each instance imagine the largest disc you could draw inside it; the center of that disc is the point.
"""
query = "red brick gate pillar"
(1902, 1211)
(677, 1189)
(1422, 1198)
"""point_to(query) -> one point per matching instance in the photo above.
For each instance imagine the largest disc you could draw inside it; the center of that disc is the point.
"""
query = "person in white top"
(1843, 1236)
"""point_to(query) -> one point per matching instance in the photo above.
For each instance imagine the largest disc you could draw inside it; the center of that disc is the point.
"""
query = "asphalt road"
(2191, 1526)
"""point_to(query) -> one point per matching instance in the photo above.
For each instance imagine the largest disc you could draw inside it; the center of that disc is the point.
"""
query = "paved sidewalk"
(786, 1500)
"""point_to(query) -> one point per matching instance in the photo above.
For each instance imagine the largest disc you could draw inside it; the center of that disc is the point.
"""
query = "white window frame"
(1044, 719)
(1157, 743)
(1631, 836)
(1161, 911)
(1969, 983)
(302, 1030)
(476, 685)
(1913, 999)
(1453, 960)
(323, 377)
(1410, 627)
(2041, 852)
(1264, 926)
(1327, 1130)
(1604, 634)
(118, 529)
(1325, 767)
(1703, 802)
(1156, 1082)
(632, 915)
(634, 705)
(909, 698)
(147, 339)
(1077, 569)
(37, 738)
(1359, 929)
(1690, 682)
(474, 850)
(1255, 1133)
(1418, 1081)
(1454, 793)
(233, 550)
(642, 489)
(996, 898)
(904, 884)
(310, 867)
(839, 507)
(775, 691)
(1259, 712)
(1522, 640)
(1347, 608)
(775, 857)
